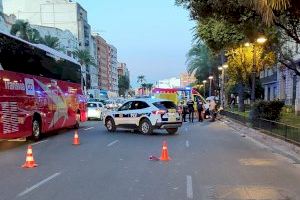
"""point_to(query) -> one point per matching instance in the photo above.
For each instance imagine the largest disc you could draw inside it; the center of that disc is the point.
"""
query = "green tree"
(84, 57)
(241, 66)
(20, 28)
(201, 61)
(149, 87)
(141, 79)
(124, 85)
(52, 42)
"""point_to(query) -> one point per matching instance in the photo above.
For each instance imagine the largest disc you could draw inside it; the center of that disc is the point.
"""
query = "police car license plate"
(172, 117)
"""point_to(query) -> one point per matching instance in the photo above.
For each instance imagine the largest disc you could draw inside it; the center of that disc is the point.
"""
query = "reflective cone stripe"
(76, 139)
(29, 163)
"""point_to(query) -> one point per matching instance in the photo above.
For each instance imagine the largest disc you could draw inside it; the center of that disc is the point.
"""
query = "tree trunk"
(241, 90)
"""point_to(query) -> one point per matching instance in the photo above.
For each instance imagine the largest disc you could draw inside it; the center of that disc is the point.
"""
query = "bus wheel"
(36, 129)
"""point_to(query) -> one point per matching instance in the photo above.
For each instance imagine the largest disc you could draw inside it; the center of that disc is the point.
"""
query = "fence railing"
(277, 129)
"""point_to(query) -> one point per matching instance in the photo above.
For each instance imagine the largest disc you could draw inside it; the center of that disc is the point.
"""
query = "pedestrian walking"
(200, 110)
(190, 105)
(212, 109)
(232, 101)
(184, 112)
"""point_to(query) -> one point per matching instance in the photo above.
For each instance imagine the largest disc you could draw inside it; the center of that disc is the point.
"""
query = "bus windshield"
(22, 57)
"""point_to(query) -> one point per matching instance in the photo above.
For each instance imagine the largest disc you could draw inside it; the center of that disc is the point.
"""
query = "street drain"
(248, 193)
(257, 162)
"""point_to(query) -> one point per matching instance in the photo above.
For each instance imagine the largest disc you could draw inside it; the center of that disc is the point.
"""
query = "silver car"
(96, 110)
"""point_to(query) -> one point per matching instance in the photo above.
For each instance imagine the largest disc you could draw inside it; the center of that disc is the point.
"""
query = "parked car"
(145, 115)
(96, 110)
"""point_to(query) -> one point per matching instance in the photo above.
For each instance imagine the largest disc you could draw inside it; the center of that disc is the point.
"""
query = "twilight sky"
(152, 36)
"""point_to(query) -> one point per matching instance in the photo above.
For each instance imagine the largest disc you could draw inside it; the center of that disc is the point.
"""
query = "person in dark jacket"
(184, 111)
(190, 105)
(200, 110)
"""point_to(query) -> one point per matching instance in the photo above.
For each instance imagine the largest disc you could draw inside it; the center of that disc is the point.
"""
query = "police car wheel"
(110, 125)
(145, 127)
(172, 130)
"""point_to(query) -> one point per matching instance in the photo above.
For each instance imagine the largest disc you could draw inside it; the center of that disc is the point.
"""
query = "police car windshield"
(92, 105)
(165, 105)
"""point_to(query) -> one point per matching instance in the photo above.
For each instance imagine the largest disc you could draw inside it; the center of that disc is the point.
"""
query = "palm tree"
(23, 30)
(84, 57)
(52, 42)
(266, 8)
(141, 79)
(34, 36)
(144, 86)
(20, 28)
(149, 87)
(200, 61)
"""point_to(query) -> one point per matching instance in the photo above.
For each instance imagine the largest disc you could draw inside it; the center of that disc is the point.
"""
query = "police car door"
(122, 116)
(138, 109)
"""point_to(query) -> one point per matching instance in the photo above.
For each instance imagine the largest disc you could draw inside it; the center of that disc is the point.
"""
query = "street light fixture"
(210, 84)
(261, 40)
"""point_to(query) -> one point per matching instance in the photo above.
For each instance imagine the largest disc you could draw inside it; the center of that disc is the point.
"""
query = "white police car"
(145, 115)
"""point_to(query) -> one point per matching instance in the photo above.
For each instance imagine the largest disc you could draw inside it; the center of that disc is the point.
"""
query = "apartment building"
(113, 70)
(123, 70)
(103, 62)
(62, 14)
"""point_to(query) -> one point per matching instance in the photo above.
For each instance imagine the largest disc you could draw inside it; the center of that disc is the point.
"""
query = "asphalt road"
(209, 161)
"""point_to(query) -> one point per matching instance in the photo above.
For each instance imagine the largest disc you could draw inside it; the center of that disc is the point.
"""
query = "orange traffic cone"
(164, 153)
(29, 163)
(76, 139)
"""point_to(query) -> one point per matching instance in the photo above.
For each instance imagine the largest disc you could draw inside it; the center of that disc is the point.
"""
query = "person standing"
(232, 101)
(200, 110)
(184, 112)
(212, 109)
(190, 105)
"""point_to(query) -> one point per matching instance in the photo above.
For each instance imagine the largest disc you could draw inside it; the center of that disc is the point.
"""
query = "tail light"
(159, 112)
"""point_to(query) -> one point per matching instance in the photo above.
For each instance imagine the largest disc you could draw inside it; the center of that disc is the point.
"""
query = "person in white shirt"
(212, 109)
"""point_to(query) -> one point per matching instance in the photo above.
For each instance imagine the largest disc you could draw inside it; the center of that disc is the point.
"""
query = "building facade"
(62, 14)
(67, 41)
(113, 69)
(269, 81)
(169, 83)
(123, 70)
(186, 79)
(102, 62)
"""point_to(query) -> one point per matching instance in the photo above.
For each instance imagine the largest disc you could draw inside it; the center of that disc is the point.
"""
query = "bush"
(269, 110)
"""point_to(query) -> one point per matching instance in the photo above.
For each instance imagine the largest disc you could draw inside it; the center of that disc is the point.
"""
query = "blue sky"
(152, 36)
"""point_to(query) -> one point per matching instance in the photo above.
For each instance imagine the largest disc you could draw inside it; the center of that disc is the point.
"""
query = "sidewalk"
(291, 151)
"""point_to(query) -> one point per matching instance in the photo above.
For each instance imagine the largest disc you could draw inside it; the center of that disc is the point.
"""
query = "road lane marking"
(88, 128)
(189, 187)
(38, 184)
(112, 143)
(40, 142)
(187, 144)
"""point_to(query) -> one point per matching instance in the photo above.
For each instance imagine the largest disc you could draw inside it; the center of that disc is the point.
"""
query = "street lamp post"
(223, 68)
(204, 82)
(210, 84)
(260, 40)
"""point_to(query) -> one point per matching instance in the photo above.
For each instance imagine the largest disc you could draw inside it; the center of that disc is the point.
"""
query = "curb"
(273, 144)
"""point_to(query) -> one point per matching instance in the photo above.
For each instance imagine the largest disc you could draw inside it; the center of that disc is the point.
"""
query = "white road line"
(189, 187)
(38, 184)
(112, 143)
(40, 142)
(187, 144)
(88, 128)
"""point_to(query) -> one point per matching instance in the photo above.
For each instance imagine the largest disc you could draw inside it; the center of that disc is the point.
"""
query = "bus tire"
(36, 129)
